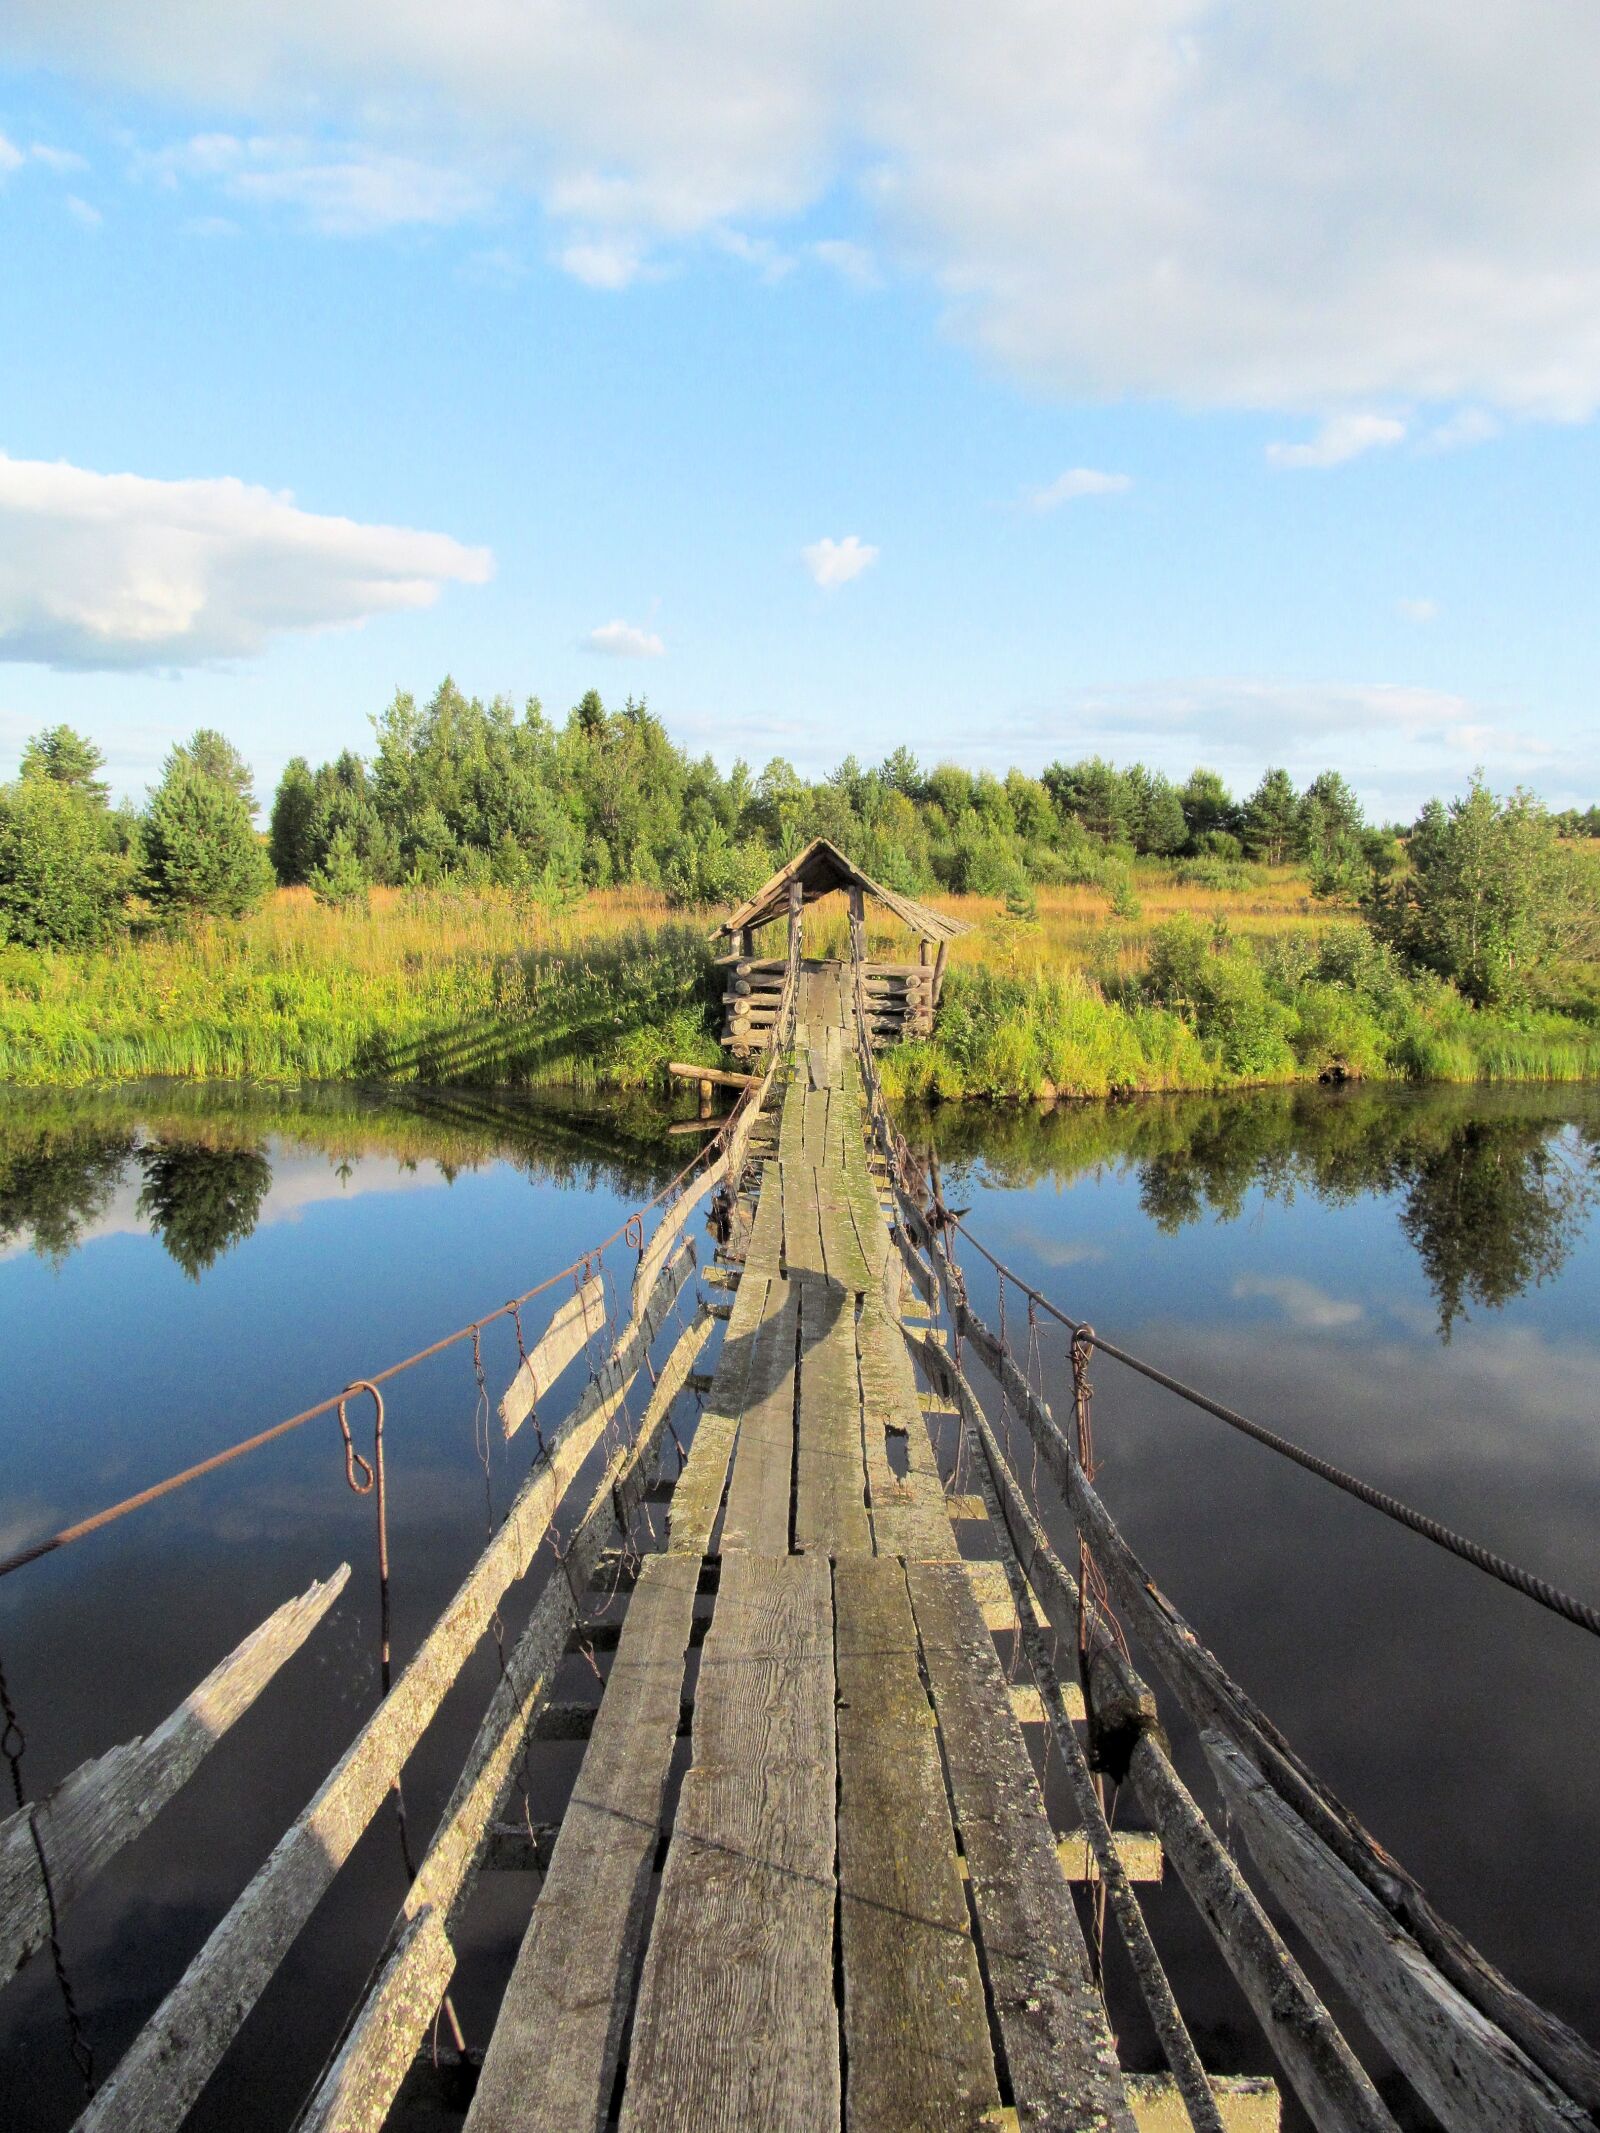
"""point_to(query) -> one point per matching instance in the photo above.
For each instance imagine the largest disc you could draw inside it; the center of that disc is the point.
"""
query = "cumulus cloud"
(1340, 438)
(1078, 481)
(1302, 1303)
(116, 570)
(1172, 197)
(338, 190)
(624, 640)
(834, 563)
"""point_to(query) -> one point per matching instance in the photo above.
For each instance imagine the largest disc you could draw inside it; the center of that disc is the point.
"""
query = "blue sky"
(1197, 383)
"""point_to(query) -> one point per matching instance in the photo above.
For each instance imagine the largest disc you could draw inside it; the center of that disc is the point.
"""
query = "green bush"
(61, 880)
(201, 854)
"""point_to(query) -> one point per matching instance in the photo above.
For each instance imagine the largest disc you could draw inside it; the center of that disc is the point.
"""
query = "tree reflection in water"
(1493, 1186)
(200, 1201)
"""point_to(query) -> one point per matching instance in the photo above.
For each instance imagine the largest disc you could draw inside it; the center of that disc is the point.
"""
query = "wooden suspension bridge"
(854, 1910)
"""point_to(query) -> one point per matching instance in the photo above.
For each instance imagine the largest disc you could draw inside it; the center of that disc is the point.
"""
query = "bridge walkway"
(861, 1918)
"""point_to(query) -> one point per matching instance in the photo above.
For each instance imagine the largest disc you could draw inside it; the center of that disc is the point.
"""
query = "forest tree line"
(478, 794)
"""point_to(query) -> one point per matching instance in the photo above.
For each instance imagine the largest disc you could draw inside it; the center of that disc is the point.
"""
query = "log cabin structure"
(901, 997)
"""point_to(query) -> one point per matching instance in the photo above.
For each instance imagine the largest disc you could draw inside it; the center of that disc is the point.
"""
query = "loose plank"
(1466, 2070)
(736, 2025)
(574, 1323)
(1059, 2052)
(108, 1802)
(176, 2052)
(552, 2059)
(916, 2029)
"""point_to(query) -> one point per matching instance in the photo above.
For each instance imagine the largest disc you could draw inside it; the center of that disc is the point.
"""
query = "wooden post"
(705, 1097)
(747, 941)
(939, 962)
(923, 953)
(797, 898)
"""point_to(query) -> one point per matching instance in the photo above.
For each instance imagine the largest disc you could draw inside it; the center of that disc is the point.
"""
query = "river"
(1406, 1282)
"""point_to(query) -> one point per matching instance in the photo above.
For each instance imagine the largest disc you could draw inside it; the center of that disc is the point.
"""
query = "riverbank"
(1249, 983)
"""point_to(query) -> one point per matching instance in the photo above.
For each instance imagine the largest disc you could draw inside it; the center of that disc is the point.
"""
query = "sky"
(1177, 381)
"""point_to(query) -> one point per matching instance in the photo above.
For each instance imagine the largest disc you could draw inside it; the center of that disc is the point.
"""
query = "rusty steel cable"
(112, 1512)
(1531, 1586)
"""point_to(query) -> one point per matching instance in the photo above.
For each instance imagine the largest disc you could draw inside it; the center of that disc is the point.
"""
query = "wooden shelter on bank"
(901, 996)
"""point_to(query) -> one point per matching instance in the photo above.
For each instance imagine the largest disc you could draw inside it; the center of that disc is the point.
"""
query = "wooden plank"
(908, 1510)
(654, 1255)
(765, 1253)
(757, 1516)
(697, 1498)
(736, 2025)
(916, 2028)
(1059, 2052)
(830, 1483)
(1246, 2103)
(176, 2052)
(366, 2071)
(574, 1323)
(106, 1803)
(552, 2060)
(1464, 2068)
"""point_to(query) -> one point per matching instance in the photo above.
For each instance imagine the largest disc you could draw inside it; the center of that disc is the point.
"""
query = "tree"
(201, 853)
(1271, 815)
(1329, 835)
(293, 839)
(61, 880)
(63, 756)
(212, 755)
(202, 1201)
(1208, 807)
(1488, 891)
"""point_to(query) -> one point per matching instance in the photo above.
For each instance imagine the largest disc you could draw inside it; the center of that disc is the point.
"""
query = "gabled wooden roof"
(822, 868)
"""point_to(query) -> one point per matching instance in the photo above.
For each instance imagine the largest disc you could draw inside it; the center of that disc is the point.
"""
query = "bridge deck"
(861, 1919)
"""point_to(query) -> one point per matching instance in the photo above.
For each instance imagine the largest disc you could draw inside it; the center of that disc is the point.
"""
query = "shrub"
(61, 881)
(201, 853)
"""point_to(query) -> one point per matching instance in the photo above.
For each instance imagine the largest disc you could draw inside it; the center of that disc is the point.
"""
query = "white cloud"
(1301, 1302)
(116, 570)
(1417, 610)
(61, 160)
(1340, 438)
(11, 156)
(1188, 198)
(624, 640)
(340, 189)
(1078, 481)
(834, 563)
(607, 264)
(1468, 426)
(852, 262)
(82, 212)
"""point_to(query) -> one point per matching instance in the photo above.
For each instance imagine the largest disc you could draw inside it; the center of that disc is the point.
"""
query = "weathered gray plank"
(757, 1516)
(1062, 2061)
(552, 2059)
(654, 1256)
(916, 2029)
(1464, 2068)
(909, 1515)
(830, 1512)
(364, 2076)
(575, 1322)
(697, 1496)
(736, 2026)
(106, 1803)
(178, 2049)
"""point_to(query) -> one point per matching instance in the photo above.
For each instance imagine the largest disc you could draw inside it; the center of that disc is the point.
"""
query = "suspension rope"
(113, 1512)
(943, 1223)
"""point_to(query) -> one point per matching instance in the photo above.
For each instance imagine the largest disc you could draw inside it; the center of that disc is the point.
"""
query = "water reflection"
(1491, 1187)
(194, 1167)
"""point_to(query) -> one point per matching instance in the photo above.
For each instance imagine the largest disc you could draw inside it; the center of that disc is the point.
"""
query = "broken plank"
(106, 1803)
(736, 2024)
(574, 1323)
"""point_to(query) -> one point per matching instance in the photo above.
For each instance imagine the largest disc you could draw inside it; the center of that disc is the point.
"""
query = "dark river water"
(1406, 1283)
